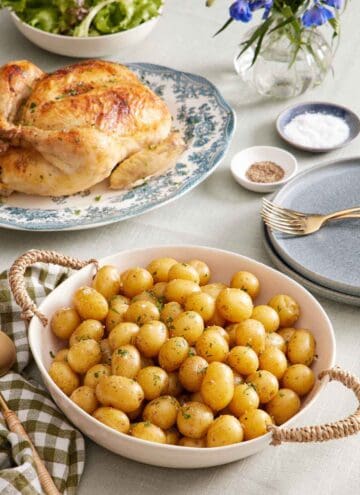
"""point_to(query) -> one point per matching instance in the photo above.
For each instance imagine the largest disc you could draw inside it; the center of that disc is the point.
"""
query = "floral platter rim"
(35, 219)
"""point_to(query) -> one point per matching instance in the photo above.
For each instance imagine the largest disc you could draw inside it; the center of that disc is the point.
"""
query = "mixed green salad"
(84, 17)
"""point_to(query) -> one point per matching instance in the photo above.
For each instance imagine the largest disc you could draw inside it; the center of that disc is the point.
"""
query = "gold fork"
(297, 223)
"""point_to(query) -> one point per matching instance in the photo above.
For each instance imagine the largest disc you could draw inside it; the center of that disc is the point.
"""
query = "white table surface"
(218, 213)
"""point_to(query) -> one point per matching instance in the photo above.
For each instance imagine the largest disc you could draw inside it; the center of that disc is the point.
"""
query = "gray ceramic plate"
(330, 257)
(318, 290)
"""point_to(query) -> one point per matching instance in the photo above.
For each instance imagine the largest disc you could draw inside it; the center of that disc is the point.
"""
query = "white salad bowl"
(86, 47)
(223, 264)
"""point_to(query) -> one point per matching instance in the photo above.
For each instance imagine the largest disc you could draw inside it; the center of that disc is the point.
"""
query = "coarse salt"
(317, 130)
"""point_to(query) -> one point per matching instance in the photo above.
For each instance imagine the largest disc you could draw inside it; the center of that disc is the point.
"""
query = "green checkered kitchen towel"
(58, 443)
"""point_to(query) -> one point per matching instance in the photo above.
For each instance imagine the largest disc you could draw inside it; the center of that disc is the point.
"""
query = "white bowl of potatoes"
(168, 366)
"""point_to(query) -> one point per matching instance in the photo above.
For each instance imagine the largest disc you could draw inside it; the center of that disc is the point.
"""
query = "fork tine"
(285, 230)
(278, 208)
(279, 212)
(282, 221)
(289, 229)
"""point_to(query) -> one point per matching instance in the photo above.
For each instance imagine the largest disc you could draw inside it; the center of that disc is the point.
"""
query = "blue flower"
(240, 11)
(261, 4)
(316, 15)
(337, 4)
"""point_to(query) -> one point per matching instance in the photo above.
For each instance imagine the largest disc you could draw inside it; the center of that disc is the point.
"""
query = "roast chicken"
(64, 132)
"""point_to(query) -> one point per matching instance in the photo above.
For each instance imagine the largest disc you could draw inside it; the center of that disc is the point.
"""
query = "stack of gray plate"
(327, 262)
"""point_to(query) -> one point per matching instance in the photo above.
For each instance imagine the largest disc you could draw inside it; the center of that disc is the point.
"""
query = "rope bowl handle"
(17, 280)
(329, 431)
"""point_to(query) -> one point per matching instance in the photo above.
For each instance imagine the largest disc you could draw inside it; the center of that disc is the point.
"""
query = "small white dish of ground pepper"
(263, 168)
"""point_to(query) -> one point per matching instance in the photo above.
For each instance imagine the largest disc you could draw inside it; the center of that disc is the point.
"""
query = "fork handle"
(349, 213)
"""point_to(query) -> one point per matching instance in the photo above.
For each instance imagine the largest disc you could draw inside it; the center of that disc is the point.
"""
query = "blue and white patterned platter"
(207, 124)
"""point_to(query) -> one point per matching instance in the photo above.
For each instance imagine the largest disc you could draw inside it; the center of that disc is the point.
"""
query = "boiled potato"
(125, 361)
(169, 312)
(283, 406)
(95, 373)
(221, 331)
(234, 305)
(287, 309)
(160, 267)
(217, 388)
(136, 280)
(119, 392)
(147, 295)
(301, 347)
(273, 360)
(88, 329)
(203, 270)
(173, 353)
(245, 398)
(147, 431)
(286, 334)
(265, 383)
(61, 355)
(114, 418)
(198, 443)
(243, 359)
(192, 372)
(237, 378)
(184, 271)
(162, 411)
(174, 387)
(107, 281)
(179, 290)
(64, 322)
(255, 423)
(83, 355)
(202, 303)
(247, 282)
(151, 337)
(224, 430)
(212, 346)
(90, 304)
(274, 339)
(299, 378)
(154, 381)
(251, 333)
(172, 436)
(267, 316)
(64, 377)
(85, 398)
(122, 334)
(117, 312)
(106, 351)
(141, 312)
(189, 325)
(159, 291)
(213, 289)
(194, 419)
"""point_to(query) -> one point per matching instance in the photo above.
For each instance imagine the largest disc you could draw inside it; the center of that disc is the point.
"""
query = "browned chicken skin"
(62, 133)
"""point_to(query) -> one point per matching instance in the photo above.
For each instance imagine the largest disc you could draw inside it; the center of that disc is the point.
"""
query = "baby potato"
(136, 280)
(125, 361)
(219, 330)
(64, 322)
(217, 388)
(255, 423)
(90, 304)
(299, 378)
(265, 383)
(234, 305)
(267, 316)
(169, 312)
(194, 419)
(162, 412)
(173, 353)
(119, 392)
(114, 418)
(214, 289)
(247, 282)
(245, 398)
(286, 334)
(189, 325)
(202, 303)
(184, 271)
(301, 347)
(212, 346)
(179, 290)
(117, 312)
(237, 378)
(88, 329)
(203, 270)
(274, 339)
(107, 281)
(231, 331)
(83, 355)
(151, 337)
(192, 372)
(61, 356)
(147, 431)
(85, 398)
(160, 267)
(159, 290)
(283, 406)
(147, 295)
(106, 351)
(224, 430)
(172, 436)
(95, 373)
(154, 381)
(64, 377)
(174, 387)
(273, 360)
(198, 443)
(287, 309)
(251, 333)
(243, 359)
(141, 312)
(122, 334)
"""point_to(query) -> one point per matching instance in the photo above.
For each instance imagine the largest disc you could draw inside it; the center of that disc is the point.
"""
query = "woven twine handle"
(330, 431)
(17, 281)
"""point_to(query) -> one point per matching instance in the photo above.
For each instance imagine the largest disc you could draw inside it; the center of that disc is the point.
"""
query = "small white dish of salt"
(318, 127)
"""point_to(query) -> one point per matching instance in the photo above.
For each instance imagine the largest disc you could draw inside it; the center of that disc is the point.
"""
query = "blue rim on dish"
(207, 123)
(287, 115)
